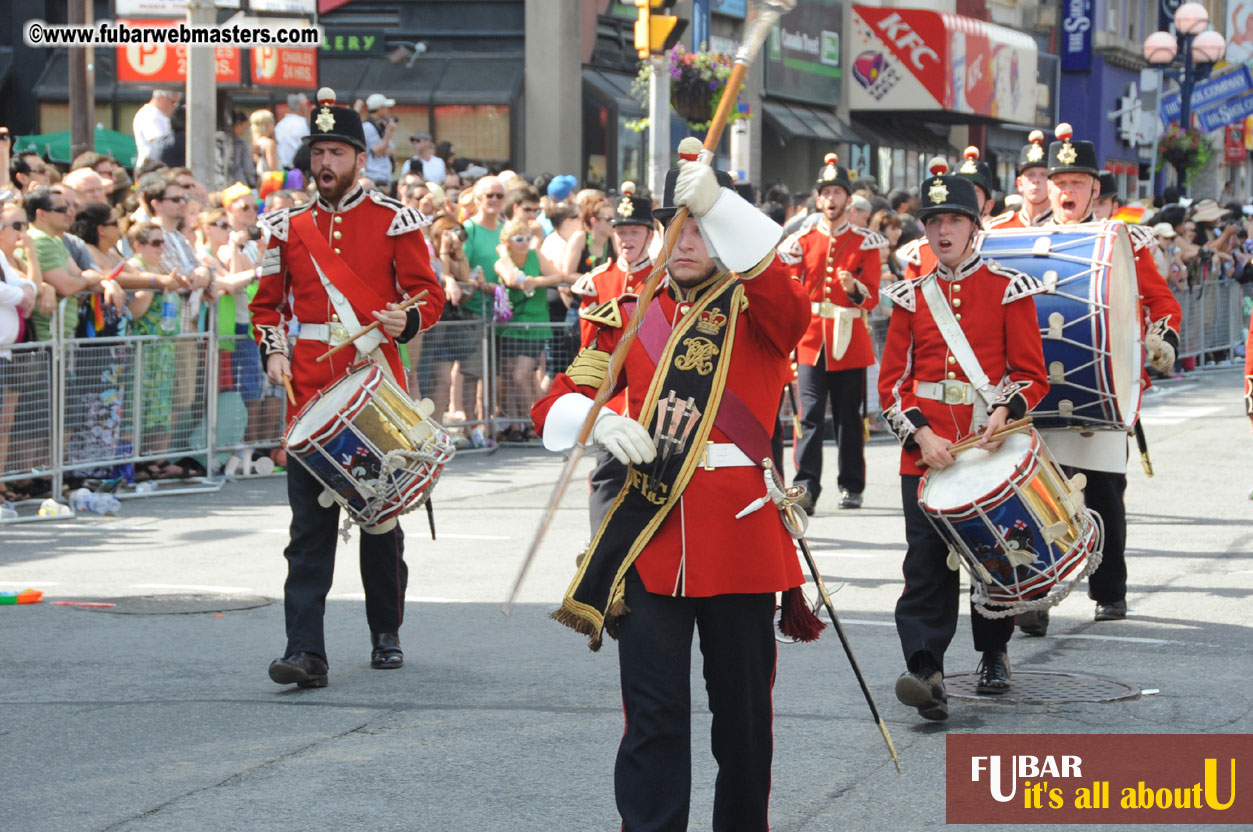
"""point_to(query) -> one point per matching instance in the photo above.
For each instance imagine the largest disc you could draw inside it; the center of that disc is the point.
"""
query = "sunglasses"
(157, 242)
(173, 199)
(222, 225)
(109, 223)
(64, 209)
(526, 210)
(17, 225)
(493, 196)
(519, 238)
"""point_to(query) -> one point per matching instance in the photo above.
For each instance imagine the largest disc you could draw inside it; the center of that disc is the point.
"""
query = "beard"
(835, 213)
(691, 280)
(332, 188)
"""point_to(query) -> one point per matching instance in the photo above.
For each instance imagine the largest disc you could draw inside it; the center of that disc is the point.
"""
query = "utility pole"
(202, 123)
(82, 84)
(658, 124)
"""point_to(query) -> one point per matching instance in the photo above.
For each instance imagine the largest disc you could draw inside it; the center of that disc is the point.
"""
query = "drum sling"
(692, 371)
(951, 330)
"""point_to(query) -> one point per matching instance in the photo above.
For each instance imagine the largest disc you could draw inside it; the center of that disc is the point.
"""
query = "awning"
(428, 81)
(921, 60)
(801, 121)
(897, 133)
(54, 81)
(612, 89)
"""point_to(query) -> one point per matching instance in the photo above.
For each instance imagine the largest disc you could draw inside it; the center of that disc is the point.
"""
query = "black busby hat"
(690, 152)
(328, 123)
(977, 171)
(832, 174)
(1032, 153)
(632, 209)
(1066, 156)
(1109, 185)
(947, 193)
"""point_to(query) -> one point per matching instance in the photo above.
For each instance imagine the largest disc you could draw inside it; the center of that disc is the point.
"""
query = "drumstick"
(970, 441)
(403, 306)
(291, 397)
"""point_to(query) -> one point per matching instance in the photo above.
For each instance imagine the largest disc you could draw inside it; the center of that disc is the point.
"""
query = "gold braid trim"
(589, 367)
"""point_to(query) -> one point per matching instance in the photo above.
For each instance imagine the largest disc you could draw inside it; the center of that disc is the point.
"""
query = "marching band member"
(603, 290)
(703, 382)
(1073, 187)
(965, 305)
(839, 265)
(917, 256)
(1032, 184)
(335, 265)
(1107, 200)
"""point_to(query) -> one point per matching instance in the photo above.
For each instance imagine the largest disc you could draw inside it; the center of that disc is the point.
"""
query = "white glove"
(696, 187)
(1162, 357)
(625, 438)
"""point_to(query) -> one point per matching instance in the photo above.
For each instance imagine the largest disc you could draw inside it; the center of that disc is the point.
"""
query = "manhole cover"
(1038, 687)
(179, 604)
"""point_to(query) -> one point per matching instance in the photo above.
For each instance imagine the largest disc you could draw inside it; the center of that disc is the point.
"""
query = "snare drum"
(378, 455)
(1089, 319)
(1016, 522)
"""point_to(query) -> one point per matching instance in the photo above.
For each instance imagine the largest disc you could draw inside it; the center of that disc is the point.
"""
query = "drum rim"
(350, 408)
(999, 494)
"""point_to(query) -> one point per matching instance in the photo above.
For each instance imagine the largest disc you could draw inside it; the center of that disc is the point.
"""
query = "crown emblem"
(326, 119)
(1035, 154)
(938, 192)
(711, 321)
(626, 207)
(1067, 154)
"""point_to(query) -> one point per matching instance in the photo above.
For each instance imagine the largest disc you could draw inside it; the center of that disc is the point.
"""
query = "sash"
(733, 418)
(953, 336)
(363, 297)
(693, 364)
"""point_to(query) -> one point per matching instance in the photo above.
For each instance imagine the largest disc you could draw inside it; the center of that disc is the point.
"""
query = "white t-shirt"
(11, 296)
(150, 127)
(290, 129)
(378, 168)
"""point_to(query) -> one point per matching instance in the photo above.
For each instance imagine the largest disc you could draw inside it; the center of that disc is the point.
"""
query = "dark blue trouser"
(846, 389)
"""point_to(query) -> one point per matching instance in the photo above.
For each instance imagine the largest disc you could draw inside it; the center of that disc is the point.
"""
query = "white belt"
(949, 391)
(827, 309)
(724, 455)
(333, 333)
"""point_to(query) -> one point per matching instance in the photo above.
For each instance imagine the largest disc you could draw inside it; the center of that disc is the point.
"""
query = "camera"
(254, 232)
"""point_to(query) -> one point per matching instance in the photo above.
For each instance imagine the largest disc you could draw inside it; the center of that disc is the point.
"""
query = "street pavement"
(149, 722)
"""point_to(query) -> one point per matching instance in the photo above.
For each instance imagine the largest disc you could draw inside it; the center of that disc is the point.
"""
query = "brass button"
(952, 374)
(830, 269)
(952, 360)
(337, 251)
(828, 280)
(338, 218)
(337, 234)
(334, 318)
(315, 213)
(957, 301)
(958, 316)
(957, 287)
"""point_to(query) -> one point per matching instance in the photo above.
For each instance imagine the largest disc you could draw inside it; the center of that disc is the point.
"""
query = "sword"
(1143, 444)
(839, 629)
(758, 30)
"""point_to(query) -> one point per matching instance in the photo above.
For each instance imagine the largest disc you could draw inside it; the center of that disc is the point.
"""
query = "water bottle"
(50, 508)
(103, 504)
(7, 511)
(145, 487)
(80, 499)
(169, 313)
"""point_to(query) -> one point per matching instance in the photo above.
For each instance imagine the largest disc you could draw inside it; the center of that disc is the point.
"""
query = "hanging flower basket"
(697, 82)
(1186, 151)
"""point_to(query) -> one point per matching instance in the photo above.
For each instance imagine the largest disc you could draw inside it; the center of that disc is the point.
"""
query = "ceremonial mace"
(758, 29)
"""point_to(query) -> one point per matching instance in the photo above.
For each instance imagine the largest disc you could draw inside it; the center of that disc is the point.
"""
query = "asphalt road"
(161, 721)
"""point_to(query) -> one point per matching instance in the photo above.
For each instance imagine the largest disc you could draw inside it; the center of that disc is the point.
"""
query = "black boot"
(306, 670)
(924, 689)
(993, 672)
(387, 654)
(1111, 610)
(1034, 623)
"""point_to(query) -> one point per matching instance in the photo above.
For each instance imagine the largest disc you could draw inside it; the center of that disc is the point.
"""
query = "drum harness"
(953, 336)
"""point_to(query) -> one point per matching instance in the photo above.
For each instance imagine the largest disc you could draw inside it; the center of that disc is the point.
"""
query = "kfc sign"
(159, 63)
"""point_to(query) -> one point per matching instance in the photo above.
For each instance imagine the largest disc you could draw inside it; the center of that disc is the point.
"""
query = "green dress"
(533, 309)
(156, 371)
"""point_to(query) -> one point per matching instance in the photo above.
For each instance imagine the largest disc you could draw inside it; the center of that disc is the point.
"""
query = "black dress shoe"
(1112, 611)
(306, 670)
(850, 500)
(993, 672)
(806, 502)
(387, 654)
(1034, 622)
(924, 691)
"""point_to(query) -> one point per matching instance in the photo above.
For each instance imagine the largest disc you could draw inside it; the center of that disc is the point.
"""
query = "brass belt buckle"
(338, 334)
(705, 463)
(954, 391)
(826, 309)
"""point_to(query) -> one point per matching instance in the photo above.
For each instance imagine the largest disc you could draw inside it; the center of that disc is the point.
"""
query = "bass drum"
(1089, 316)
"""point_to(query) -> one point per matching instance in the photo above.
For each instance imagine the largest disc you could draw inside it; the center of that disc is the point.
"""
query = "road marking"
(864, 621)
(451, 536)
(28, 583)
(819, 553)
(417, 599)
(1175, 414)
(193, 587)
(1132, 639)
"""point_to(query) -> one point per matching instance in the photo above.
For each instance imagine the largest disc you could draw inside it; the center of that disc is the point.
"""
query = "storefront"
(1087, 98)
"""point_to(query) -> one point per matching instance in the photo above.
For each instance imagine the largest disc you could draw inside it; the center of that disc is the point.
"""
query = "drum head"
(1124, 328)
(975, 475)
(328, 404)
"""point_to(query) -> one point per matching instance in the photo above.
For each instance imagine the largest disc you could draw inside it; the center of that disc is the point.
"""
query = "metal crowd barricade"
(30, 434)
(524, 354)
(1213, 319)
(450, 365)
(251, 412)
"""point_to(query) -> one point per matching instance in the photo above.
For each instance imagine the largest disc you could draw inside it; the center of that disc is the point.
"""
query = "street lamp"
(1201, 46)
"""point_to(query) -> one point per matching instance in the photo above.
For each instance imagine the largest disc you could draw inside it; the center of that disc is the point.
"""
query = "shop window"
(412, 119)
(479, 133)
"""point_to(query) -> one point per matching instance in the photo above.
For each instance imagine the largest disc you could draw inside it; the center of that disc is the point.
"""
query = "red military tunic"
(917, 257)
(1162, 312)
(815, 255)
(606, 282)
(1014, 219)
(993, 305)
(1248, 374)
(381, 239)
(700, 549)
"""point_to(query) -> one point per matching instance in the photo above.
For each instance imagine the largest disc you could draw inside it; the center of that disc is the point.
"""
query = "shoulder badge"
(406, 219)
(790, 250)
(1141, 236)
(901, 293)
(584, 287)
(607, 314)
(1021, 285)
(911, 252)
(998, 220)
(280, 221)
(873, 239)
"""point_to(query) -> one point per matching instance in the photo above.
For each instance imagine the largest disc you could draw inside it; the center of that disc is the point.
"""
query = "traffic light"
(656, 33)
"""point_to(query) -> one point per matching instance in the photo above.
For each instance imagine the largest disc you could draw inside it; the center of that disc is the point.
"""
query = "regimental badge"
(325, 120)
(711, 321)
(1067, 154)
(969, 166)
(699, 356)
(626, 207)
(938, 192)
(1035, 154)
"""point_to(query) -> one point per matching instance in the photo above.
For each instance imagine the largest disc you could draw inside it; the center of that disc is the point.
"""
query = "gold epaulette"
(607, 314)
(589, 367)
